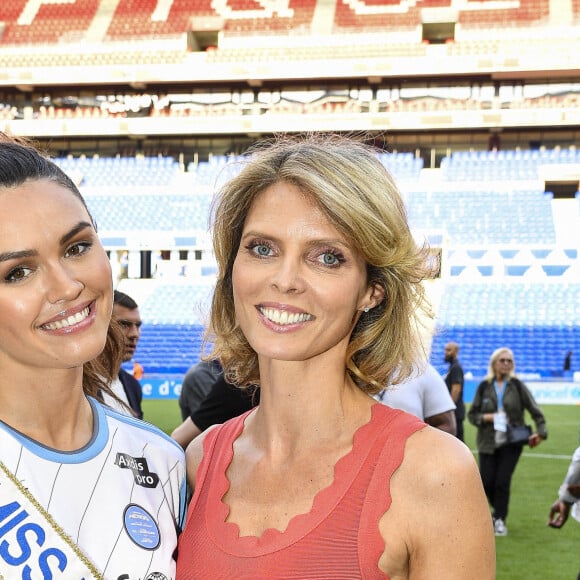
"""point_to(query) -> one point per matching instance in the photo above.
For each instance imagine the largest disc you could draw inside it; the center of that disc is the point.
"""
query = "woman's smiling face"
(55, 279)
(298, 284)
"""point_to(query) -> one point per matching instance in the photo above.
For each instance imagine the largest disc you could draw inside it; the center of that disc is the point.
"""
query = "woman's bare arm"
(439, 524)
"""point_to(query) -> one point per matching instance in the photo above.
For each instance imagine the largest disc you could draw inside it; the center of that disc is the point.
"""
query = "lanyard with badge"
(499, 418)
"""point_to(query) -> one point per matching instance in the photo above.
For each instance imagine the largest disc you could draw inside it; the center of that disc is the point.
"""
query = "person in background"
(86, 492)
(568, 361)
(196, 385)
(126, 386)
(318, 289)
(569, 495)
(223, 402)
(454, 381)
(425, 395)
(499, 402)
(138, 370)
(568, 501)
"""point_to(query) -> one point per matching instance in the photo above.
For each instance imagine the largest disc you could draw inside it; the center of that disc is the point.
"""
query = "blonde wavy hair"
(346, 179)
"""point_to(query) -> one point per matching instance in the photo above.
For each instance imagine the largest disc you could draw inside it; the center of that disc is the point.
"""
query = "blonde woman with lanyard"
(85, 492)
(500, 402)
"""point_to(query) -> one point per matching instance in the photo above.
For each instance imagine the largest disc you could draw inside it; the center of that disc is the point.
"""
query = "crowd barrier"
(562, 391)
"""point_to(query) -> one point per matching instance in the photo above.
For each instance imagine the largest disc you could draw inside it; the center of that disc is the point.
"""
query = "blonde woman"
(499, 403)
(319, 282)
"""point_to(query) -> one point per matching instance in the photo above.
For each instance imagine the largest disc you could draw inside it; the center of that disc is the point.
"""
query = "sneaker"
(500, 527)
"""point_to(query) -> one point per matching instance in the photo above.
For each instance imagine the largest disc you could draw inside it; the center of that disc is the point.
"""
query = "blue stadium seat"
(540, 322)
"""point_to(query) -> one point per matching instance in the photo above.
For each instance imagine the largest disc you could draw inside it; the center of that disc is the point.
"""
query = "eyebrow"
(74, 231)
(6, 256)
(18, 255)
(129, 322)
(312, 242)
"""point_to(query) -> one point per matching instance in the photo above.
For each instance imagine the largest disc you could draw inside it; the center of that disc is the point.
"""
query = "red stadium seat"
(50, 24)
(134, 19)
(399, 15)
(528, 13)
(10, 11)
(129, 22)
(576, 11)
(376, 14)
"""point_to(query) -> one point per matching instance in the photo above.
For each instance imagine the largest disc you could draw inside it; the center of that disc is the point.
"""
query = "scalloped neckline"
(226, 534)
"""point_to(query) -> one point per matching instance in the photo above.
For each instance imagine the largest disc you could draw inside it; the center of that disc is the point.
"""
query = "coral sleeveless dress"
(337, 539)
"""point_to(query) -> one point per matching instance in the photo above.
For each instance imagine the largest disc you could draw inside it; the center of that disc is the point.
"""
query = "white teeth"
(283, 317)
(65, 322)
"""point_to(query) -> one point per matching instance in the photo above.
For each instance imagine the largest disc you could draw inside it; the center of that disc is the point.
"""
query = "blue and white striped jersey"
(121, 499)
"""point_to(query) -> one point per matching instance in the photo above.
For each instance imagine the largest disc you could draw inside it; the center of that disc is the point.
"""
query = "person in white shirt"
(568, 501)
(424, 395)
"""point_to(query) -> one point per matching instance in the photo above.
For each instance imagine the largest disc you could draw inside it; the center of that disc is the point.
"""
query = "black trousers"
(460, 432)
(496, 471)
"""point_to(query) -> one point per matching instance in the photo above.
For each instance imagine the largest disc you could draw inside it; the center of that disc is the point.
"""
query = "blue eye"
(331, 258)
(262, 250)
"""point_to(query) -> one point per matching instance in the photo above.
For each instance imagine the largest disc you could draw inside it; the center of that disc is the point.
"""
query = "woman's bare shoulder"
(438, 475)
(439, 451)
(438, 501)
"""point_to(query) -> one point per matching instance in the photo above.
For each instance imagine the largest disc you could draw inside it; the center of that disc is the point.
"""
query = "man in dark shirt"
(126, 313)
(196, 385)
(224, 401)
(454, 382)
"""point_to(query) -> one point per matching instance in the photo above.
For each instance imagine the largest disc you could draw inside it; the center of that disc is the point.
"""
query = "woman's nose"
(288, 276)
(63, 284)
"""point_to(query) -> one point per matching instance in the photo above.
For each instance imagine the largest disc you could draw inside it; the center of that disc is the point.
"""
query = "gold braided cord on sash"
(64, 536)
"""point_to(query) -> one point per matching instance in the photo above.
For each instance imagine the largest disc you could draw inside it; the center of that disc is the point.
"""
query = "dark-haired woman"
(85, 492)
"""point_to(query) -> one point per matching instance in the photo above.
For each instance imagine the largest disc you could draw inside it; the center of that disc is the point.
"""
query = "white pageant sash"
(32, 544)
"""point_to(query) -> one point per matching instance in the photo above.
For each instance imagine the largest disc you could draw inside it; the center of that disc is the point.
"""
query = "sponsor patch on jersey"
(155, 576)
(140, 469)
(141, 527)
